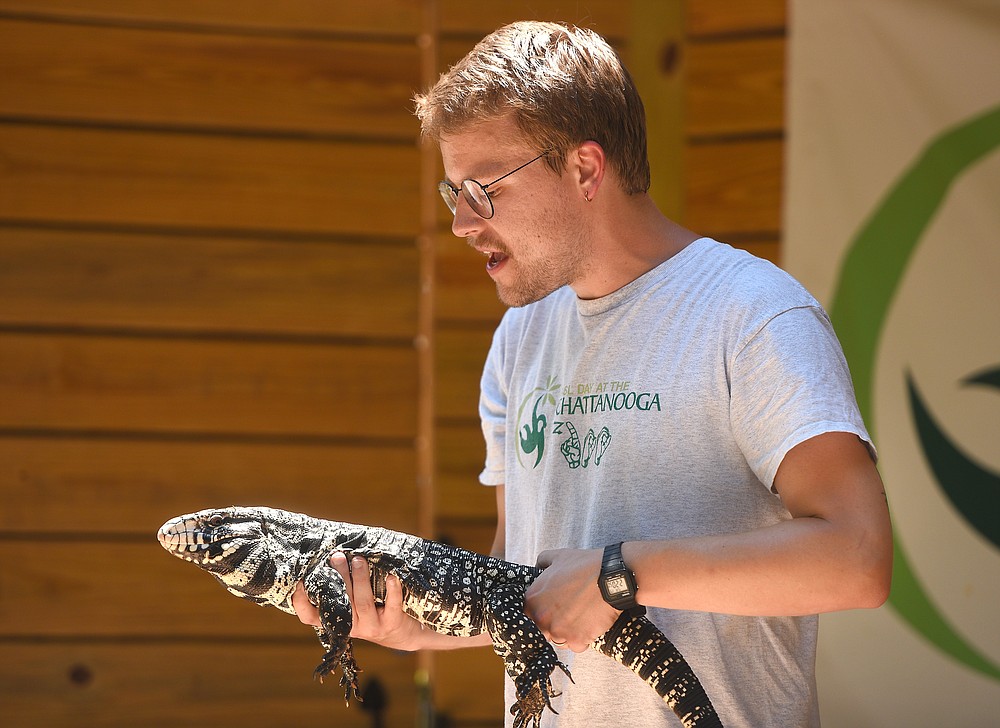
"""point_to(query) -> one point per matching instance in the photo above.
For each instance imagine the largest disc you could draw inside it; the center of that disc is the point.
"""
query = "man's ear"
(590, 166)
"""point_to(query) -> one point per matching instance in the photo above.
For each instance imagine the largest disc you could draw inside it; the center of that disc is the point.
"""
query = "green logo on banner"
(972, 489)
(869, 280)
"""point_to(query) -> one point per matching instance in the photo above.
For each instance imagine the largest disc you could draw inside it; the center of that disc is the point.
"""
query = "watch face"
(616, 584)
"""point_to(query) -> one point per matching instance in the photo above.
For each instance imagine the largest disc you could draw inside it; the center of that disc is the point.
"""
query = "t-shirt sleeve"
(493, 413)
(790, 382)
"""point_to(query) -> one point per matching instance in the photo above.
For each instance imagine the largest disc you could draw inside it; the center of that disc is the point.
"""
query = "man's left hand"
(565, 601)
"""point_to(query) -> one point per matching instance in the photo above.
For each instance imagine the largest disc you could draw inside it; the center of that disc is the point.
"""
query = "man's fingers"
(339, 562)
(393, 615)
(544, 559)
(393, 592)
(364, 600)
(304, 609)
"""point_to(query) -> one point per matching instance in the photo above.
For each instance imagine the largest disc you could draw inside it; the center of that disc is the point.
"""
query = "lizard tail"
(639, 645)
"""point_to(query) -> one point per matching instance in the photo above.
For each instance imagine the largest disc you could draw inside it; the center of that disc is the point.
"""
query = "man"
(649, 388)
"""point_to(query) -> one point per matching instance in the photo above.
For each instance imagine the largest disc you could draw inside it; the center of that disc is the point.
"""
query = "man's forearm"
(801, 566)
(428, 639)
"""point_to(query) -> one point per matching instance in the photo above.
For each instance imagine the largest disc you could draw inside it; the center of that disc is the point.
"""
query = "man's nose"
(466, 222)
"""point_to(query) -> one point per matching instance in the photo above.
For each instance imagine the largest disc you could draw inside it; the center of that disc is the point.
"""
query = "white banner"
(892, 219)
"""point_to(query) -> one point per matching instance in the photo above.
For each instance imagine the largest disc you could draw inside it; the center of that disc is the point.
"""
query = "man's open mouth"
(495, 259)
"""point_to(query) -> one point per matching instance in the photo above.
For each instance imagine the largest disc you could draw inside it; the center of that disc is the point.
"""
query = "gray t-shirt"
(662, 411)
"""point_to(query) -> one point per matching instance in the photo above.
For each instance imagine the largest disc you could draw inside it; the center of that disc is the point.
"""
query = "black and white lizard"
(261, 553)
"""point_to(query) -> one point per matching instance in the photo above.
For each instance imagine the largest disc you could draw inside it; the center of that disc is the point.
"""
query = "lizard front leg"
(326, 589)
(527, 656)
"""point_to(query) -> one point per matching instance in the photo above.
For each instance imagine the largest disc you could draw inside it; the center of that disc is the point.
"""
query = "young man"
(649, 388)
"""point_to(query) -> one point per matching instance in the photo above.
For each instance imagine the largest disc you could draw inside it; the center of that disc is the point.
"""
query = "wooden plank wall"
(734, 61)
(223, 278)
(209, 294)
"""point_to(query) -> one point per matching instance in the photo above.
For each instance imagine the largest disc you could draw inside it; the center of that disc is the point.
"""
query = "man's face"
(534, 243)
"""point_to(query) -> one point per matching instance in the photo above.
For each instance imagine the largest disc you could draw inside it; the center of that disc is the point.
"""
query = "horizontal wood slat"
(610, 18)
(154, 385)
(121, 589)
(386, 17)
(716, 17)
(163, 282)
(459, 358)
(164, 685)
(461, 454)
(463, 288)
(473, 534)
(460, 676)
(733, 187)
(178, 180)
(101, 487)
(735, 87)
(148, 76)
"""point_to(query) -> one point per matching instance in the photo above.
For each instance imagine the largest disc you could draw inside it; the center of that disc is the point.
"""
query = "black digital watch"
(617, 582)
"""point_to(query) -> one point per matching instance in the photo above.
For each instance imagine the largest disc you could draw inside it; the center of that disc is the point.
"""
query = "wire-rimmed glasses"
(476, 194)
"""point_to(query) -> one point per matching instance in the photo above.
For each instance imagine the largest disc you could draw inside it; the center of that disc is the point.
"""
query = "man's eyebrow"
(493, 169)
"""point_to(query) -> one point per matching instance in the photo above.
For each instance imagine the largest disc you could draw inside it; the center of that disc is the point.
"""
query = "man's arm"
(389, 625)
(500, 538)
(834, 553)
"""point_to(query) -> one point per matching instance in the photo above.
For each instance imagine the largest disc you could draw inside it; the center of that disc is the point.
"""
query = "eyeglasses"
(475, 193)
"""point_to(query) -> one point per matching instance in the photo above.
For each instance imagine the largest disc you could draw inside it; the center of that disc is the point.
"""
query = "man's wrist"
(616, 581)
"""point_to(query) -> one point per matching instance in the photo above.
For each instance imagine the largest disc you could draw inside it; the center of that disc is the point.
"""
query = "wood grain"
(735, 87)
(192, 180)
(387, 17)
(156, 76)
(473, 534)
(206, 284)
(464, 291)
(607, 17)
(460, 458)
(719, 17)
(122, 589)
(206, 682)
(460, 674)
(115, 384)
(87, 488)
(733, 187)
(460, 356)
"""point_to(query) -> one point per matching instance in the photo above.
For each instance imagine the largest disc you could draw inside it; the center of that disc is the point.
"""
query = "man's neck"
(630, 239)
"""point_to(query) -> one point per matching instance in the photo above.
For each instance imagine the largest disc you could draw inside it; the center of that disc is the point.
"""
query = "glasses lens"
(478, 199)
(449, 195)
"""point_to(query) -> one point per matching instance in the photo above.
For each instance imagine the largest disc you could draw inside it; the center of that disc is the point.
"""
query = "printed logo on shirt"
(541, 403)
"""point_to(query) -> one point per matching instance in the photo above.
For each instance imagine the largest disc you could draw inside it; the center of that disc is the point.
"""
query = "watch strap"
(613, 560)
(613, 564)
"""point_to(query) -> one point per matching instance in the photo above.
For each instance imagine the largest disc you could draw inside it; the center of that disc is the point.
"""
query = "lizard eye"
(215, 521)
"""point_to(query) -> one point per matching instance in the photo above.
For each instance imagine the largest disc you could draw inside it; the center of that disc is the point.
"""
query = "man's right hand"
(386, 625)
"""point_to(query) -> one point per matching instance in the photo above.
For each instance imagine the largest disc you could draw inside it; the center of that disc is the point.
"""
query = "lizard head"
(236, 546)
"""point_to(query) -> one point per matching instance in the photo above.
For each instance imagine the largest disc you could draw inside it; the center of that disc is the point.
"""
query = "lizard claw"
(535, 693)
(349, 668)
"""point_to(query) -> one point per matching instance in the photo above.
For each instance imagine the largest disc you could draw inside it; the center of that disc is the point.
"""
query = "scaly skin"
(261, 553)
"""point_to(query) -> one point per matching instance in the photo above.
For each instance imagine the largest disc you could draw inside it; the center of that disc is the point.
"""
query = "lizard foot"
(535, 693)
(343, 657)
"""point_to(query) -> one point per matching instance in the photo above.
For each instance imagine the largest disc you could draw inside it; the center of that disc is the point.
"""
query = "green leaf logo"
(532, 435)
(869, 280)
(971, 488)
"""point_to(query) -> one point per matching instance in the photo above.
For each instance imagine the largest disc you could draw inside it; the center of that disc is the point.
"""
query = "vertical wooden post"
(656, 63)
(427, 40)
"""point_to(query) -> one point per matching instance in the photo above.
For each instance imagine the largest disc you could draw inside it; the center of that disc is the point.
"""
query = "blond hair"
(564, 85)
